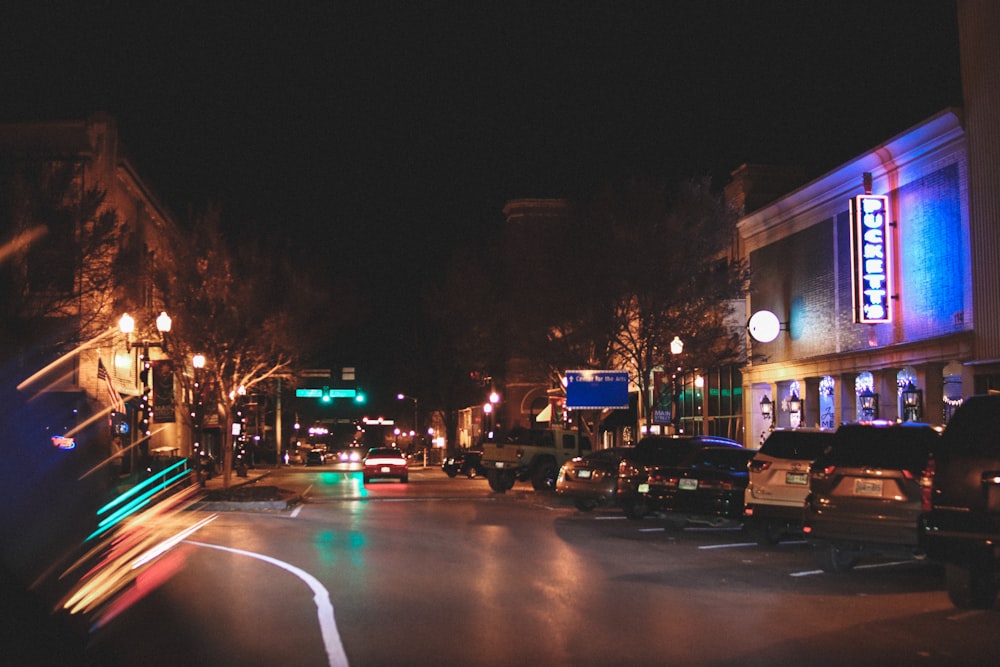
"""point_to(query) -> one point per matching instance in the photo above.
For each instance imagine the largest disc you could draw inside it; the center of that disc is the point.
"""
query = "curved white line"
(327, 624)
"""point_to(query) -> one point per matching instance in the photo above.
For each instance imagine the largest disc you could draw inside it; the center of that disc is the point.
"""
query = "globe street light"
(404, 397)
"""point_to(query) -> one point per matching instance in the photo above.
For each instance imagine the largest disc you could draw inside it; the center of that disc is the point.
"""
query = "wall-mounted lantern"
(766, 407)
(794, 403)
(869, 403)
(913, 399)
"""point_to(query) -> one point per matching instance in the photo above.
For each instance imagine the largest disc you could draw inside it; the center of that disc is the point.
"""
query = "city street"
(444, 572)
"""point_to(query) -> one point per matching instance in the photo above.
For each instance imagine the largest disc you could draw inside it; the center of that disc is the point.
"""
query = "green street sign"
(326, 393)
(308, 393)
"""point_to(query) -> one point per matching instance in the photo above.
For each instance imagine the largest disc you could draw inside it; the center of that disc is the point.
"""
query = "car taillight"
(822, 473)
(625, 469)
(759, 466)
(927, 486)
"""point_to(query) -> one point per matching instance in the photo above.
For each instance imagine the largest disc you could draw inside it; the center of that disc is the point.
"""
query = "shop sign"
(871, 266)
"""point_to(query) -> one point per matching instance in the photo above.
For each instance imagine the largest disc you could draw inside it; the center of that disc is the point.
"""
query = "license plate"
(687, 484)
(386, 469)
(796, 478)
(583, 474)
(868, 487)
(498, 464)
(644, 488)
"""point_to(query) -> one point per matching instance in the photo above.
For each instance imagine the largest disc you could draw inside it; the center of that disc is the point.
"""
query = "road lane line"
(324, 607)
(295, 512)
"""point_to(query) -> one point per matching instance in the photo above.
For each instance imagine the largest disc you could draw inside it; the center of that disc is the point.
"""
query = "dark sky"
(380, 133)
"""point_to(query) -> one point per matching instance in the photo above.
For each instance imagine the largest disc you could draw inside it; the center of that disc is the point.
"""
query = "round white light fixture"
(764, 326)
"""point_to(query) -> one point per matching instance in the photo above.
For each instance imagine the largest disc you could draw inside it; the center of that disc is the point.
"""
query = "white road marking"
(324, 607)
(809, 573)
(736, 545)
(295, 512)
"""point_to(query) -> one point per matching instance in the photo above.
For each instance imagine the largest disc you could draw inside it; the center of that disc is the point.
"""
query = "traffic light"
(359, 397)
(326, 398)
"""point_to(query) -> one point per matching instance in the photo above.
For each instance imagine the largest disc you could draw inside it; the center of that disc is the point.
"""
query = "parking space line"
(734, 545)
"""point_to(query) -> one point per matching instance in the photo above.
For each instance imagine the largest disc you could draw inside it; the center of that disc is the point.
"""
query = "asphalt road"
(443, 571)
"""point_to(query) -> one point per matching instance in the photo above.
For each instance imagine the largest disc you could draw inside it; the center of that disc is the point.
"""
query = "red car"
(385, 462)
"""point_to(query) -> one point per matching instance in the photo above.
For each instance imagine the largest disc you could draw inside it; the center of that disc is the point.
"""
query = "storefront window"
(827, 417)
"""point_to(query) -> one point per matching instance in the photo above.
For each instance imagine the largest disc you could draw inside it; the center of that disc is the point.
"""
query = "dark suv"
(779, 482)
(867, 492)
(962, 528)
(651, 453)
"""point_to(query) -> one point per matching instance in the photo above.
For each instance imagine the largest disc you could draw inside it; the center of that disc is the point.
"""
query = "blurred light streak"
(147, 489)
(124, 558)
(171, 542)
(22, 242)
(82, 346)
(124, 451)
(145, 583)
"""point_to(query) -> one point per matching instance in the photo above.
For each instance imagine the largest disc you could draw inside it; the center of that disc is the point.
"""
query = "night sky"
(379, 135)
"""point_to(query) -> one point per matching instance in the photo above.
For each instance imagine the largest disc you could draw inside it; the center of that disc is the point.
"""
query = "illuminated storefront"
(867, 269)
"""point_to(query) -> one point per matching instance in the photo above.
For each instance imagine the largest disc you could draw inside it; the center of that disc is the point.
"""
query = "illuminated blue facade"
(799, 249)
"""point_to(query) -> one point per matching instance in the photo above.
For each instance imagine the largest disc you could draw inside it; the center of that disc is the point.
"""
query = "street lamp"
(404, 397)
(126, 324)
(676, 346)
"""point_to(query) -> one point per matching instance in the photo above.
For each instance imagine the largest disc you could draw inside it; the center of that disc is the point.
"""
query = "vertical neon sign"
(870, 261)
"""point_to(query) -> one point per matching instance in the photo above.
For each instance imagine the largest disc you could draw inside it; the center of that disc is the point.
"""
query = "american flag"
(116, 399)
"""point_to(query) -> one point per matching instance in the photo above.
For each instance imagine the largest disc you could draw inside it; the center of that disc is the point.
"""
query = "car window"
(805, 446)
(975, 429)
(894, 448)
(730, 460)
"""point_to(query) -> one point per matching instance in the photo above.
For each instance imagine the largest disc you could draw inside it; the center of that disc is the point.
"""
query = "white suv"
(779, 482)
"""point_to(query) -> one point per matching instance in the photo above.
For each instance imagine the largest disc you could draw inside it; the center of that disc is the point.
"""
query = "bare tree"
(243, 309)
(57, 263)
(675, 275)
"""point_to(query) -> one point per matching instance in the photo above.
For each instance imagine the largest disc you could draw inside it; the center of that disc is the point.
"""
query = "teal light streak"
(155, 484)
(139, 487)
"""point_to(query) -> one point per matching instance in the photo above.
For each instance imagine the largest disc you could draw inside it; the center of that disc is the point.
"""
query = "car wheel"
(500, 481)
(834, 558)
(766, 535)
(584, 505)
(970, 586)
(472, 473)
(544, 476)
(451, 473)
(635, 510)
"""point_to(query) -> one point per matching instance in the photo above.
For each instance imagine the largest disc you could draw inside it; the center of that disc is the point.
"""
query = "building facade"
(867, 311)
(119, 384)
(912, 339)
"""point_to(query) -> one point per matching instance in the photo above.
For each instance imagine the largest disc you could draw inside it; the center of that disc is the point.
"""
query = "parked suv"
(962, 528)
(779, 482)
(707, 487)
(653, 452)
(867, 492)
